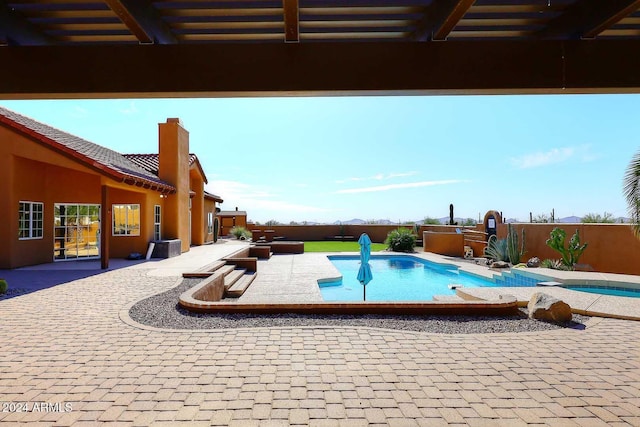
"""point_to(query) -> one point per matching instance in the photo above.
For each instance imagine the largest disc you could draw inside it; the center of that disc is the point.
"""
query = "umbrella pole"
(364, 292)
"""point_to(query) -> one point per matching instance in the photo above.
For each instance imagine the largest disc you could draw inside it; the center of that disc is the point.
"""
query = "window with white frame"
(157, 235)
(210, 222)
(30, 220)
(126, 220)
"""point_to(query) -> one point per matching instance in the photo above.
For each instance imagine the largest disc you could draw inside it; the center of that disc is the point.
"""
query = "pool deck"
(293, 278)
(69, 343)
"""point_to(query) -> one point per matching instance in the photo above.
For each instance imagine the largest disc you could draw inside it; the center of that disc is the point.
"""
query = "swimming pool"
(396, 278)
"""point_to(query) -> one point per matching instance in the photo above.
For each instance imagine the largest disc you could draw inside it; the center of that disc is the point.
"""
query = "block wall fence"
(612, 248)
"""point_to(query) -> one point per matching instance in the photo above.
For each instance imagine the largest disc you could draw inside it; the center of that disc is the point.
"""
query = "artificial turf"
(340, 247)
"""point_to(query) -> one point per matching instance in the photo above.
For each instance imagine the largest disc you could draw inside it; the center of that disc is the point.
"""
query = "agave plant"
(631, 189)
(496, 249)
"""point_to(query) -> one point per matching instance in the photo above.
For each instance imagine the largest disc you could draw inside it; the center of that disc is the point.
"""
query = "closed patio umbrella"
(364, 273)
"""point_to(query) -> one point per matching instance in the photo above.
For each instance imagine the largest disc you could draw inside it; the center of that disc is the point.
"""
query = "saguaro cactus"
(513, 251)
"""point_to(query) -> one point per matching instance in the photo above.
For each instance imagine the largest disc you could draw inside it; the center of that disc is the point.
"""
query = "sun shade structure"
(300, 47)
(364, 273)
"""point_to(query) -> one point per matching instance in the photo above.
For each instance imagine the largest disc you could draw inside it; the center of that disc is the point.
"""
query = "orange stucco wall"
(451, 244)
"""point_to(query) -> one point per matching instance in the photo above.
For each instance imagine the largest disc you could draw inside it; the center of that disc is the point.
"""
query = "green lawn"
(340, 247)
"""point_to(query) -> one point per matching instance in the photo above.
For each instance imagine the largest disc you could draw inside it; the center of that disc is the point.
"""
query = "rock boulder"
(549, 309)
(533, 262)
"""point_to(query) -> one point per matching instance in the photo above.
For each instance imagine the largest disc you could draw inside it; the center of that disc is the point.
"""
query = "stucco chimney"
(173, 168)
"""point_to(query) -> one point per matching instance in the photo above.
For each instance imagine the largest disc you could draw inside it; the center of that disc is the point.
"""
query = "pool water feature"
(396, 278)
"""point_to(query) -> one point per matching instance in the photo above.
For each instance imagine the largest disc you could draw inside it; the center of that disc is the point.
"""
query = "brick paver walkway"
(68, 345)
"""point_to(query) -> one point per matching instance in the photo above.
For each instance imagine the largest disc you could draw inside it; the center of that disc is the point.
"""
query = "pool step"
(447, 298)
(205, 271)
(232, 277)
(240, 286)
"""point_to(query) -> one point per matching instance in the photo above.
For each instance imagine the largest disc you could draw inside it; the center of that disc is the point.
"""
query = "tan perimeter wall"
(310, 233)
(611, 248)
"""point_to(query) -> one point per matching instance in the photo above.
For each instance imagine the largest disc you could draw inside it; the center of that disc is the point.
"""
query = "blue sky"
(395, 158)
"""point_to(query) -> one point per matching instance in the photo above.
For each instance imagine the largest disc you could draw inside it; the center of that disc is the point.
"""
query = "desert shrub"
(400, 240)
(240, 233)
(596, 218)
(431, 221)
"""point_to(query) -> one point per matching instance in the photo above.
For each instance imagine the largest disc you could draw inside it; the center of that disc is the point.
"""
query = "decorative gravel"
(11, 292)
(163, 311)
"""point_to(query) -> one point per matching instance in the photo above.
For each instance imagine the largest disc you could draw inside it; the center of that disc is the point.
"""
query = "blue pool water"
(396, 278)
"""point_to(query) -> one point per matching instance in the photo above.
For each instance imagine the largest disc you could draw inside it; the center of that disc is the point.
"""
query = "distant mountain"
(354, 221)
(570, 220)
(445, 220)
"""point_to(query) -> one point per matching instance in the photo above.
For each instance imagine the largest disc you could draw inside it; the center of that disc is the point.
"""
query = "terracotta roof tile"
(150, 162)
(92, 154)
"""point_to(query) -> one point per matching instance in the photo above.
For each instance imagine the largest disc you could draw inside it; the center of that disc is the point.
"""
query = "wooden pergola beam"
(588, 18)
(440, 18)
(143, 20)
(291, 21)
(340, 68)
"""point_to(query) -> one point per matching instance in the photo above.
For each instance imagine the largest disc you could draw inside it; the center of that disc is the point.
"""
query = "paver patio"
(68, 344)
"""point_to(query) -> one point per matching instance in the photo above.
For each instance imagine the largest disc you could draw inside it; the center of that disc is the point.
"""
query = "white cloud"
(399, 186)
(130, 109)
(79, 112)
(377, 177)
(553, 156)
(254, 199)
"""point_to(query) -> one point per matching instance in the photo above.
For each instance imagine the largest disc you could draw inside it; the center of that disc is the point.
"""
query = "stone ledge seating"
(229, 277)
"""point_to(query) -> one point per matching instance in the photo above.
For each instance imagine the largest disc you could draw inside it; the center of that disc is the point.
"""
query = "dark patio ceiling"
(110, 48)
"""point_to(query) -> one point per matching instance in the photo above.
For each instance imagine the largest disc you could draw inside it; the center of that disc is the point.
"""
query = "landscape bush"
(240, 233)
(401, 240)
(3, 286)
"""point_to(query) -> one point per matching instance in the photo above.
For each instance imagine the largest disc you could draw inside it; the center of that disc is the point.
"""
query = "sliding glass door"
(76, 231)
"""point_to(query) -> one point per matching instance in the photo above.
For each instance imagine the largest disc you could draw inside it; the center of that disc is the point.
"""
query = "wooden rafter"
(15, 29)
(588, 18)
(143, 20)
(291, 21)
(440, 18)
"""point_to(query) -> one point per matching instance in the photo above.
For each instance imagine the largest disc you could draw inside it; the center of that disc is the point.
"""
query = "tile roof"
(93, 155)
(232, 213)
(150, 162)
(212, 196)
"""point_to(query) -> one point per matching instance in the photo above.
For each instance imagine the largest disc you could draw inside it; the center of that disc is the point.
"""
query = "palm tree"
(631, 189)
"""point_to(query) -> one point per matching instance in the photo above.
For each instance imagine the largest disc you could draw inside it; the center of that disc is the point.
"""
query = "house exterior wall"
(227, 222)
(34, 173)
(198, 215)
(174, 168)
